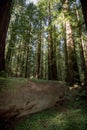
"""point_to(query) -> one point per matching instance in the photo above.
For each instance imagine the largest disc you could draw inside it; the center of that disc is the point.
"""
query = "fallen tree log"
(30, 98)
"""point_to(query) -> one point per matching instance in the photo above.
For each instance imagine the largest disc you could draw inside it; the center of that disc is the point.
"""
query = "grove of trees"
(44, 41)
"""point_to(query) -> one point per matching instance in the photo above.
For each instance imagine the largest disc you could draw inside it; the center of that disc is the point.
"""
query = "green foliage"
(53, 120)
(29, 26)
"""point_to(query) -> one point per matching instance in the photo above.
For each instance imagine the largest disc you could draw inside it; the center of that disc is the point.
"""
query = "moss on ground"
(73, 119)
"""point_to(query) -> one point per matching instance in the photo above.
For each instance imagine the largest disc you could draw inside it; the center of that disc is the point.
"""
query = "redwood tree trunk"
(38, 68)
(81, 47)
(84, 9)
(72, 73)
(52, 67)
(5, 6)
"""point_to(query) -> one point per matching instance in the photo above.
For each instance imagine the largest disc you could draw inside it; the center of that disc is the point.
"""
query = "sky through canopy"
(34, 1)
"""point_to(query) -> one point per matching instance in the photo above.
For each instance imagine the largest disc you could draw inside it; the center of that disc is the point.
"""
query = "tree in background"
(80, 43)
(52, 68)
(45, 41)
(72, 73)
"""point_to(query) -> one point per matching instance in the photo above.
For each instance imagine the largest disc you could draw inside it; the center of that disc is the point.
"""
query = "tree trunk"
(10, 50)
(27, 62)
(38, 75)
(84, 9)
(38, 61)
(84, 60)
(72, 73)
(52, 67)
(54, 63)
(5, 6)
(83, 65)
(72, 67)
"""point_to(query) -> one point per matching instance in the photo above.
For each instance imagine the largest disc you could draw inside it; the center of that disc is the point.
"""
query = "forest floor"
(71, 114)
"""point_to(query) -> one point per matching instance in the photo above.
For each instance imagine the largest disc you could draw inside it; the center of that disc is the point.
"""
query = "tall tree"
(5, 8)
(52, 67)
(72, 75)
(39, 53)
(84, 9)
(80, 41)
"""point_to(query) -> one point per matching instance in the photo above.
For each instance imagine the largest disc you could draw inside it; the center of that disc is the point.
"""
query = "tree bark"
(5, 7)
(27, 62)
(38, 75)
(72, 73)
(84, 9)
(83, 65)
(84, 60)
(52, 67)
